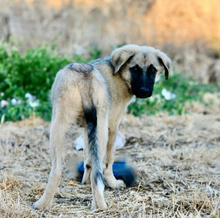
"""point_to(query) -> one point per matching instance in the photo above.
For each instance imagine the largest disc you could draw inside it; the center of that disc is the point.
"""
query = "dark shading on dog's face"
(142, 80)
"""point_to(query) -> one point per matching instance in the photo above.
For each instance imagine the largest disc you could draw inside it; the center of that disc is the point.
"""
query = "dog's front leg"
(108, 173)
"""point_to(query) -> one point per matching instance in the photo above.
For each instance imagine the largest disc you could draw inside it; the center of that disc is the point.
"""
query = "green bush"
(26, 80)
(30, 74)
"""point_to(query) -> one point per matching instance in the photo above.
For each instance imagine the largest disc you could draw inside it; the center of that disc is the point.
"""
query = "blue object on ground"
(120, 170)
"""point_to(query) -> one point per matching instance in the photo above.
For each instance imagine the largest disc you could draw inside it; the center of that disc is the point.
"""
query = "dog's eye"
(135, 69)
(152, 69)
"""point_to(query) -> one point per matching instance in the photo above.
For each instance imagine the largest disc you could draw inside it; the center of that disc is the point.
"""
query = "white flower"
(3, 103)
(168, 95)
(14, 101)
(33, 103)
(31, 99)
(29, 96)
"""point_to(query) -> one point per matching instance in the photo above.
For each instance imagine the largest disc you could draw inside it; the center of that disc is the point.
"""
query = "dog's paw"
(86, 179)
(119, 184)
(100, 206)
(116, 184)
(40, 205)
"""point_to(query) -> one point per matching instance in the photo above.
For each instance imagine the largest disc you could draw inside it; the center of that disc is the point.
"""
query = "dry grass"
(177, 159)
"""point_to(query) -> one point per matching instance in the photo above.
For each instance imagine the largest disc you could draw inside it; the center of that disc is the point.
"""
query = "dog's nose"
(144, 91)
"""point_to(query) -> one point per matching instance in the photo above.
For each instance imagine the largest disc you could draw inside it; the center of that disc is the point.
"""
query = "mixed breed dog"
(94, 96)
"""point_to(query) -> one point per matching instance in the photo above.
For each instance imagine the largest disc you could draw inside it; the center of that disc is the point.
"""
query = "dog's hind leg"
(87, 159)
(96, 145)
(102, 125)
(98, 188)
(57, 136)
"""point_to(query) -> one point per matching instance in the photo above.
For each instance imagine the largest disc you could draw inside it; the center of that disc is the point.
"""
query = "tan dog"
(95, 96)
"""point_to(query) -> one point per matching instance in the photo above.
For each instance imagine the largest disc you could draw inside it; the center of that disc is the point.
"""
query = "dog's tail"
(91, 125)
(95, 100)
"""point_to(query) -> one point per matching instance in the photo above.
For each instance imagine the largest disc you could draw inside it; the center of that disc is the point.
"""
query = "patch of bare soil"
(176, 157)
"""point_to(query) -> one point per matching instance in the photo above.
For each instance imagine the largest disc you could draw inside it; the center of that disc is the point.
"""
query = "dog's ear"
(120, 56)
(164, 61)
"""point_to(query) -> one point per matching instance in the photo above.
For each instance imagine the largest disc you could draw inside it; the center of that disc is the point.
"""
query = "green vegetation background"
(34, 72)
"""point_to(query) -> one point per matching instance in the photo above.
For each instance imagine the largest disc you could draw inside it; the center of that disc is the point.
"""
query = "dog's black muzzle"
(144, 93)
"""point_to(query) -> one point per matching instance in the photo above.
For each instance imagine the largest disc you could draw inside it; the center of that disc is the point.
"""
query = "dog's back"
(81, 86)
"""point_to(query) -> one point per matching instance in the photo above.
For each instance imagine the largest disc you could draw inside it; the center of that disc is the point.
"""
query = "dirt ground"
(176, 157)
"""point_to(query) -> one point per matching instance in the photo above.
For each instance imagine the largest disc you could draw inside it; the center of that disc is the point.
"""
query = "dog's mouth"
(143, 96)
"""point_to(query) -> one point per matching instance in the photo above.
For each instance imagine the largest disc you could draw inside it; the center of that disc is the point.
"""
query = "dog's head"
(139, 66)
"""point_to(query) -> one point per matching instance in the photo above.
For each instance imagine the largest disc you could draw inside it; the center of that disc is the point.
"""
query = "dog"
(95, 95)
